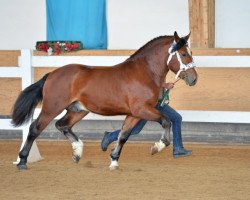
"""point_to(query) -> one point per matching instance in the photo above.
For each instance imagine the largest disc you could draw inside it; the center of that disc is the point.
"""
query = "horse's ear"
(176, 37)
(187, 37)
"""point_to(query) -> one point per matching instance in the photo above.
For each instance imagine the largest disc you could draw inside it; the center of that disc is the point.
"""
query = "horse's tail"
(27, 101)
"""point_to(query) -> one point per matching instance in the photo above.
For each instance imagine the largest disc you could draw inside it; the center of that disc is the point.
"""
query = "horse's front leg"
(163, 142)
(152, 114)
(127, 127)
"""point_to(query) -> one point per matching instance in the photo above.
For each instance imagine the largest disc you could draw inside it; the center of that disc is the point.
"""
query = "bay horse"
(130, 88)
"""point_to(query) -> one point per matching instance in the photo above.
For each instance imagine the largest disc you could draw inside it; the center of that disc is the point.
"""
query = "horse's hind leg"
(65, 124)
(127, 127)
(36, 127)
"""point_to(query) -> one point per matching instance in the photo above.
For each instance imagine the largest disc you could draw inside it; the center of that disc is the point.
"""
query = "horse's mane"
(148, 44)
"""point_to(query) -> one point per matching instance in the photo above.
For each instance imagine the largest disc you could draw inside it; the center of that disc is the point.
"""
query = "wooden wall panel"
(221, 52)
(9, 58)
(201, 23)
(217, 89)
(9, 90)
(39, 72)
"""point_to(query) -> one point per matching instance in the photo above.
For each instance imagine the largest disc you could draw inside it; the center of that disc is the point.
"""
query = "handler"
(165, 110)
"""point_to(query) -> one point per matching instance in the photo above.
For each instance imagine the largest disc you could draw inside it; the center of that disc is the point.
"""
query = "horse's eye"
(184, 54)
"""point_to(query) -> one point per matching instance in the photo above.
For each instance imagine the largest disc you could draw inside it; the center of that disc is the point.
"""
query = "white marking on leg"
(77, 150)
(114, 165)
(159, 146)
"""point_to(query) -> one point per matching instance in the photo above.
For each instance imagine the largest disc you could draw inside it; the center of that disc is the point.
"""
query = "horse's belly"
(110, 112)
(109, 109)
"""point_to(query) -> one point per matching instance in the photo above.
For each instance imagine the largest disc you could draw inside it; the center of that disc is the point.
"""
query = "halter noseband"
(183, 67)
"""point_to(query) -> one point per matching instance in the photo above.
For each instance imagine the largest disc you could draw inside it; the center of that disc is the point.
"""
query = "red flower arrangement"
(56, 47)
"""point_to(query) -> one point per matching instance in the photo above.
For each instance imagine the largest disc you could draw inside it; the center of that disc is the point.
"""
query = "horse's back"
(87, 84)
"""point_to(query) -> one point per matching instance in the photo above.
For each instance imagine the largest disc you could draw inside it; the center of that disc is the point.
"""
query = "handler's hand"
(168, 86)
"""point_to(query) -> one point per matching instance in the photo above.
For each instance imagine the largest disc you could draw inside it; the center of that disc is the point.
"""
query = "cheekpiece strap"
(183, 67)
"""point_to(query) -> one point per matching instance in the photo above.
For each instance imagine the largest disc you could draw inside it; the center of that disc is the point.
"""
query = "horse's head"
(182, 64)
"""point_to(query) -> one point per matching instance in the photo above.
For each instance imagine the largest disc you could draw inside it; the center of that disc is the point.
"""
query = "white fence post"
(27, 73)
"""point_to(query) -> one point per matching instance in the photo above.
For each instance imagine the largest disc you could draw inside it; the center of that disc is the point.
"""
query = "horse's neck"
(156, 56)
(158, 66)
(158, 78)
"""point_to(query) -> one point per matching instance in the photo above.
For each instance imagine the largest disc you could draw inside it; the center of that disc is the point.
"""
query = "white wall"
(232, 23)
(22, 23)
(131, 23)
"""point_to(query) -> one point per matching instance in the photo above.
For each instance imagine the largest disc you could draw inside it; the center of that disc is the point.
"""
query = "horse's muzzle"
(192, 83)
(190, 79)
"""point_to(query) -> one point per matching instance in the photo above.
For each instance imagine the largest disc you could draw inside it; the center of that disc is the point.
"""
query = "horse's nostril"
(194, 82)
(189, 81)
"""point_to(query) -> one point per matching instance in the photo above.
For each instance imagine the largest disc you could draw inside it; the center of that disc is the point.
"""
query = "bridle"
(183, 67)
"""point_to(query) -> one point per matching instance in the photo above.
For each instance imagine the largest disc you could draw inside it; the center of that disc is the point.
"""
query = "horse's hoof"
(159, 146)
(154, 150)
(114, 165)
(22, 166)
(112, 168)
(76, 158)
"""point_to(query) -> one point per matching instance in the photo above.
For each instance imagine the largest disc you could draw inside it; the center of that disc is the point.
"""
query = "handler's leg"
(127, 127)
(110, 137)
(176, 119)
